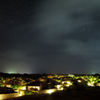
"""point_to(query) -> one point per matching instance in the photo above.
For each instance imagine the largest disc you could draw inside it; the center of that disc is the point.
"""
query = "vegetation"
(28, 93)
(1, 85)
(18, 87)
(49, 81)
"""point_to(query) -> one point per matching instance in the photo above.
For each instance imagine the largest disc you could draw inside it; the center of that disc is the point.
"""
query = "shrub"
(1, 85)
(16, 87)
(28, 93)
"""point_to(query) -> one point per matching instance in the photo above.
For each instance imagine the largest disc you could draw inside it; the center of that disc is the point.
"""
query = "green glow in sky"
(11, 72)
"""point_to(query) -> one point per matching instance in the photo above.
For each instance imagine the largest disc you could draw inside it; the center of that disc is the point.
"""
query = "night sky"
(50, 36)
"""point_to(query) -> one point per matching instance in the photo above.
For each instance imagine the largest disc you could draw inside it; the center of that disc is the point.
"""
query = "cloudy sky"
(50, 36)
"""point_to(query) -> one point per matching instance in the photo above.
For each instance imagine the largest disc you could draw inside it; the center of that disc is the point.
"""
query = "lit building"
(34, 86)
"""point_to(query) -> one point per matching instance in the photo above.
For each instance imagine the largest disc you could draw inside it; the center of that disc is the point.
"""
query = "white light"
(90, 84)
(50, 91)
(67, 85)
(79, 81)
(63, 82)
(58, 86)
(20, 94)
(68, 82)
(23, 88)
(1, 97)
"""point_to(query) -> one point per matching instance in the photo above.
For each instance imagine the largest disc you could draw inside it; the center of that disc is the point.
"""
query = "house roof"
(66, 79)
(4, 90)
(34, 84)
(79, 79)
(7, 83)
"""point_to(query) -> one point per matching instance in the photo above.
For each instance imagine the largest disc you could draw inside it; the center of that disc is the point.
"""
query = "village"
(17, 85)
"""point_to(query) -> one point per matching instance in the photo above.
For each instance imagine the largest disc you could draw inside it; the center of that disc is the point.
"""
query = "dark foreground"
(69, 94)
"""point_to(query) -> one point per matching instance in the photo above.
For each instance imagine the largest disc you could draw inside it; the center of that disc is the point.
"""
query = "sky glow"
(50, 36)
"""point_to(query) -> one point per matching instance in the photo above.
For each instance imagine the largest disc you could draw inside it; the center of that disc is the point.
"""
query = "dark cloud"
(57, 37)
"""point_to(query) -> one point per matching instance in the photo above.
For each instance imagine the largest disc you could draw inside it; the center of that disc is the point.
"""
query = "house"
(65, 80)
(34, 86)
(80, 80)
(42, 80)
(59, 87)
(61, 76)
(7, 85)
(50, 76)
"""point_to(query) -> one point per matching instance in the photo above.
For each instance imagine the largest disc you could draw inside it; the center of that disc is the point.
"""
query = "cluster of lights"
(90, 79)
(59, 87)
(68, 83)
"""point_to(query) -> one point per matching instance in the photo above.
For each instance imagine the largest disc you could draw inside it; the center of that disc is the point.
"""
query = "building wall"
(11, 95)
(23, 88)
(37, 87)
(8, 96)
(98, 84)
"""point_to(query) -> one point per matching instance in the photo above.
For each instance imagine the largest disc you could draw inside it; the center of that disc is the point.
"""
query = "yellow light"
(61, 88)
(1, 97)
(98, 84)
(67, 85)
(38, 88)
(68, 82)
(20, 94)
(8, 85)
(58, 86)
(79, 81)
(23, 88)
(50, 91)
(90, 84)
(16, 90)
(63, 82)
